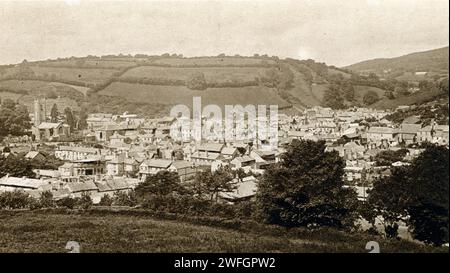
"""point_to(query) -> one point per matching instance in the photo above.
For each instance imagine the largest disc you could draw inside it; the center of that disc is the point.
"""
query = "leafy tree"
(106, 200)
(370, 97)
(14, 200)
(162, 183)
(46, 200)
(333, 98)
(16, 166)
(66, 202)
(348, 91)
(285, 78)
(211, 184)
(85, 202)
(54, 113)
(197, 82)
(70, 120)
(82, 123)
(125, 198)
(387, 157)
(14, 119)
(306, 189)
(420, 191)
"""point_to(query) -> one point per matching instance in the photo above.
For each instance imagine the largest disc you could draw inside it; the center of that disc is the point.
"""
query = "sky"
(335, 32)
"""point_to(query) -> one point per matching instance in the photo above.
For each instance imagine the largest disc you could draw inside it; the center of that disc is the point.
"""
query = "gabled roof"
(157, 163)
(228, 150)
(381, 130)
(181, 164)
(211, 147)
(49, 125)
(411, 120)
(21, 182)
(32, 154)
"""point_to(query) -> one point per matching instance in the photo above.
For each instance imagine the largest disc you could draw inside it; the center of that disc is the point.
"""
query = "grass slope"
(37, 231)
(436, 59)
(171, 95)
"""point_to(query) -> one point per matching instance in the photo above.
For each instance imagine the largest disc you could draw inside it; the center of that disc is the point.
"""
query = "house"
(34, 155)
(263, 158)
(98, 120)
(425, 134)
(49, 131)
(229, 153)
(241, 162)
(407, 132)
(353, 151)
(379, 134)
(76, 189)
(441, 133)
(204, 158)
(153, 166)
(353, 173)
(66, 170)
(105, 132)
(245, 189)
(117, 139)
(185, 169)
(213, 148)
(90, 166)
(75, 153)
(10, 183)
(115, 167)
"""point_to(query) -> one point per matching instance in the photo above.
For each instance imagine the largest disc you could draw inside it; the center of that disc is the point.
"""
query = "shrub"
(15, 200)
(46, 200)
(85, 202)
(67, 202)
(106, 201)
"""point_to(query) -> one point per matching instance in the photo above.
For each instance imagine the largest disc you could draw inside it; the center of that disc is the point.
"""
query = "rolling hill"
(150, 85)
(434, 62)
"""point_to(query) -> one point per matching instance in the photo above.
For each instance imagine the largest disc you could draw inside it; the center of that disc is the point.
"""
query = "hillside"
(150, 85)
(102, 231)
(434, 62)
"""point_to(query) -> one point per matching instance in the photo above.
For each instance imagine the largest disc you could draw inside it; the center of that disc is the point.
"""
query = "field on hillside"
(68, 94)
(212, 61)
(40, 231)
(8, 95)
(172, 95)
(360, 91)
(416, 98)
(100, 63)
(212, 74)
(87, 75)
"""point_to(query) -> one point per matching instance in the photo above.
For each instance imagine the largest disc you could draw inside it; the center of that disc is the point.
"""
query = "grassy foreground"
(100, 231)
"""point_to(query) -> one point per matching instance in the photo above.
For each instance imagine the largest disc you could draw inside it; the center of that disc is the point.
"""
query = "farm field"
(87, 75)
(360, 91)
(212, 74)
(420, 97)
(35, 231)
(213, 61)
(183, 95)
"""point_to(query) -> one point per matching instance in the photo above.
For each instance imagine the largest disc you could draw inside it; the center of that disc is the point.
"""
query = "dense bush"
(15, 200)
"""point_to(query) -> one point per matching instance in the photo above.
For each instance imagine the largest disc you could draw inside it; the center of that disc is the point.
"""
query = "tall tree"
(370, 97)
(212, 184)
(333, 97)
(70, 120)
(419, 193)
(14, 119)
(54, 113)
(306, 188)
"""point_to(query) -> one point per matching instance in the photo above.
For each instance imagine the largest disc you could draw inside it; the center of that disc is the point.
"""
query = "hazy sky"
(331, 31)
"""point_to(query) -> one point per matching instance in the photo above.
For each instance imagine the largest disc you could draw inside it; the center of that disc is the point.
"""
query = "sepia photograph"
(243, 129)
